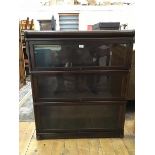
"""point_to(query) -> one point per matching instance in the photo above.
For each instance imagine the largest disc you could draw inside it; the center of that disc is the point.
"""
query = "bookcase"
(79, 82)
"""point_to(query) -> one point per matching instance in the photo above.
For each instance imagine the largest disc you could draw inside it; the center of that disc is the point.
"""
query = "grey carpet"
(24, 90)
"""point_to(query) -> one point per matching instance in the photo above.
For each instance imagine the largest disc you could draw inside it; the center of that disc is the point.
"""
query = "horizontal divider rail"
(79, 103)
(80, 72)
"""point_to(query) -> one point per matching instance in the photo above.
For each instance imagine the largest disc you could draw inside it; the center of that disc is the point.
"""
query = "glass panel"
(80, 86)
(80, 54)
(79, 117)
(46, 56)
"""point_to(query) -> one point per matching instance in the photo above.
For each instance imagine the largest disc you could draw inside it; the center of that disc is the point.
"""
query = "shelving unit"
(80, 82)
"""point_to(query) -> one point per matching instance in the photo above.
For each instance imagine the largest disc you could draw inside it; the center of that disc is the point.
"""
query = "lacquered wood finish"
(31, 35)
(79, 82)
(22, 76)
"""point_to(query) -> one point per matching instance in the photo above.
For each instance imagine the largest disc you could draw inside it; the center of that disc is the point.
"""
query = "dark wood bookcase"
(79, 82)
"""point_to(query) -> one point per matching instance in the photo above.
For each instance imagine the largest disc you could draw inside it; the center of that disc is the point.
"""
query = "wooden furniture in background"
(107, 26)
(79, 82)
(22, 76)
(23, 58)
(69, 21)
(47, 24)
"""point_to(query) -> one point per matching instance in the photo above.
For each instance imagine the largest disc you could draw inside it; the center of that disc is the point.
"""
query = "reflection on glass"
(71, 54)
(80, 86)
(46, 56)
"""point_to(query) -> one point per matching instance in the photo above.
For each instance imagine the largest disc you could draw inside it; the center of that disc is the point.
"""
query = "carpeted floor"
(26, 103)
(24, 90)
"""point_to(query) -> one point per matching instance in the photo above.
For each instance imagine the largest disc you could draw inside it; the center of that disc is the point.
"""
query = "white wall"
(88, 15)
(122, 15)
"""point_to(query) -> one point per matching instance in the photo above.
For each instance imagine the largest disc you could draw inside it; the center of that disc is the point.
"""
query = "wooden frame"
(22, 76)
(23, 61)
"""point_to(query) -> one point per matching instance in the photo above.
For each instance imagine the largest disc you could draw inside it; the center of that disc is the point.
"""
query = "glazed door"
(64, 54)
(80, 117)
(69, 86)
